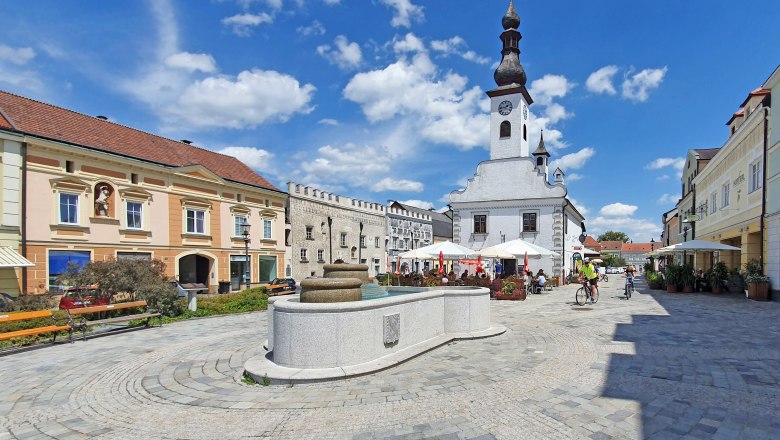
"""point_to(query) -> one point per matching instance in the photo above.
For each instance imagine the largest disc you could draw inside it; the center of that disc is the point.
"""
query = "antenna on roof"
(186, 141)
(105, 118)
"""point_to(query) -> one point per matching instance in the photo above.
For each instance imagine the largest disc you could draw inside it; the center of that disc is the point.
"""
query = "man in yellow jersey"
(588, 272)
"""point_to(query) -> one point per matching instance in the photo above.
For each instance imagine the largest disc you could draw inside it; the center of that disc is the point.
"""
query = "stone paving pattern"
(660, 366)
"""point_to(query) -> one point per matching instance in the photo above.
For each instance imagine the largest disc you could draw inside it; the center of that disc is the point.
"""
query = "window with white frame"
(196, 221)
(69, 209)
(267, 232)
(320, 255)
(726, 193)
(134, 214)
(362, 241)
(713, 203)
(310, 232)
(238, 221)
(343, 239)
(304, 254)
(480, 223)
(376, 242)
(530, 222)
(755, 173)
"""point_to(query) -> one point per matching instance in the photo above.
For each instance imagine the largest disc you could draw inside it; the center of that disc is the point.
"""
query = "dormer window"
(506, 130)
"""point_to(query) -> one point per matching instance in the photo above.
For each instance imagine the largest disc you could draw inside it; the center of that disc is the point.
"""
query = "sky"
(385, 99)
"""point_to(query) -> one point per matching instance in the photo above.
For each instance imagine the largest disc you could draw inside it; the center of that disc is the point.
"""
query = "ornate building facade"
(324, 227)
(510, 195)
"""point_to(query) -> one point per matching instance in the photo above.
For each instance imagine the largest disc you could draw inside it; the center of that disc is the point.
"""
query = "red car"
(85, 296)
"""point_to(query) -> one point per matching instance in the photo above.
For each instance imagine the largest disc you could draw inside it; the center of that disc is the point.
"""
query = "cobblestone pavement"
(656, 366)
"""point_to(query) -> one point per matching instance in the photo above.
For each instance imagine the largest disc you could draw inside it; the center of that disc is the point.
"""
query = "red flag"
(525, 263)
(479, 264)
(398, 266)
(441, 263)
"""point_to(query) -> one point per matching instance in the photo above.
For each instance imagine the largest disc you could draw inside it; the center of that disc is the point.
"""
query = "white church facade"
(511, 195)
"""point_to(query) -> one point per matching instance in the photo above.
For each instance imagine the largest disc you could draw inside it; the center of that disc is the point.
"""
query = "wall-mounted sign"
(739, 179)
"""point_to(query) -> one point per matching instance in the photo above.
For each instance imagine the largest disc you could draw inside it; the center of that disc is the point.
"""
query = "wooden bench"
(23, 316)
(83, 322)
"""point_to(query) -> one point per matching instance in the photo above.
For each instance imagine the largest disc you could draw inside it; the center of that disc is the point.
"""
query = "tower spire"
(510, 71)
(541, 150)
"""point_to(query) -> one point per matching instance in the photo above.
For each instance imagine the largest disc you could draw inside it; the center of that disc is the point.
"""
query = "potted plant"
(687, 278)
(717, 277)
(758, 284)
(511, 289)
(672, 277)
(653, 280)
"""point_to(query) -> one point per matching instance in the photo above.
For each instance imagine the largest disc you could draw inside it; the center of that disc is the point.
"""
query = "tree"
(614, 236)
(614, 261)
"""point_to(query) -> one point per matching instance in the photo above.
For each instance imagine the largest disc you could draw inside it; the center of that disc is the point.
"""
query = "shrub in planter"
(717, 277)
(653, 280)
(687, 278)
(757, 283)
(672, 275)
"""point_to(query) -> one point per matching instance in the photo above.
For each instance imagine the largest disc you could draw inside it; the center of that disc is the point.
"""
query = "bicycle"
(629, 287)
(584, 294)
(604, 277)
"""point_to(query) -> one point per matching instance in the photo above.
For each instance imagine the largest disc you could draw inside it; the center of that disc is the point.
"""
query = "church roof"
(541, 150)
(559, 170)
(511, 20)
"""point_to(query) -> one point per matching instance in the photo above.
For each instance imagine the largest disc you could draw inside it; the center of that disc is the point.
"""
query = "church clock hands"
(505, 108)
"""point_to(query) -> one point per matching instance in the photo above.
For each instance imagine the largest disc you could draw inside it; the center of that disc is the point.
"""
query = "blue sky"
(384, 99)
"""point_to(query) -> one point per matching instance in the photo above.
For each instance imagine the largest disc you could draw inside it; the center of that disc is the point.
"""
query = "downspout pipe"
(23, 222)
(763, 185)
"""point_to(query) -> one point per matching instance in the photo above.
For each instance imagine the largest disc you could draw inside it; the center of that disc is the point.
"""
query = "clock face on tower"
(505, 108)
(525, 112)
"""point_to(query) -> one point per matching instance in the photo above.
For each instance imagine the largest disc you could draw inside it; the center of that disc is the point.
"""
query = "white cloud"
(677, 163)
(600, 81)
(637, 86)
(315, 28)
(550, 86)
(255, 158)
(580, 207)
(405, 12)
(663, 177)
(422, 204)
(457, 46)
(345, 55)
(640, 230)
(273, 4)
(328, 121)
(192, 62)
(574, 177)
(555, 112)
(441, 108)
(618, 210)
(242, 24)
(332, 2)
(410, 43)
(246, 100)
(349, 165)
(18, 56)
(573, 161)
(667, 199)
(391, 184)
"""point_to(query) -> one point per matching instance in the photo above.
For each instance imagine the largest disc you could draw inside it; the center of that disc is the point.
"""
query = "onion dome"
(511, 20)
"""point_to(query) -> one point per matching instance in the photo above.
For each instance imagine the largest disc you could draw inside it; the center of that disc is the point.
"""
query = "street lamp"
(330, 240)
(247, 266)
(360, 243)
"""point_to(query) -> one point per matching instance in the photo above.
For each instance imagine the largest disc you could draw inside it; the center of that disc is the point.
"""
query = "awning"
(10, 258)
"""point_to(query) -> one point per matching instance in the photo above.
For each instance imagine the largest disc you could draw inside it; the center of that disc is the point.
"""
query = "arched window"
(525, 133)
(539, 161)
(506, 130)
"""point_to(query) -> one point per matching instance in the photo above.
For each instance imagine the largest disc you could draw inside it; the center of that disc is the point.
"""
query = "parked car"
(279, 285)
(83, 296)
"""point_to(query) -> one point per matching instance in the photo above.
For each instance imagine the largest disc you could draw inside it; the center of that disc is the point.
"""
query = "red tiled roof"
(611, 245)
(637, 247)
(757, 92)
(591, 243)
(45, 120)
(707, 153)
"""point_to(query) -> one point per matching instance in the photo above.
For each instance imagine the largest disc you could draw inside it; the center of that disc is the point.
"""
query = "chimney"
(105, 118)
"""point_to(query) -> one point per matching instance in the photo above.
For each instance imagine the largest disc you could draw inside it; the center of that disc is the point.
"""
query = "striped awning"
(10, 258)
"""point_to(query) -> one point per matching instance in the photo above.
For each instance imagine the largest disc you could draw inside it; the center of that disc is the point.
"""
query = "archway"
(195, 268)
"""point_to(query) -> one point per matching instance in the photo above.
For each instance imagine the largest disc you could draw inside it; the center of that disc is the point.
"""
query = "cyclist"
(630, 270)
(588, 273)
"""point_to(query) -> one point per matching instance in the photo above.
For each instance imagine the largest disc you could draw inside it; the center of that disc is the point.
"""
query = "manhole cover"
(584, 308)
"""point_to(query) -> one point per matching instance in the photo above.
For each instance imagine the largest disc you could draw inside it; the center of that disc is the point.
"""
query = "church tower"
(510, 100)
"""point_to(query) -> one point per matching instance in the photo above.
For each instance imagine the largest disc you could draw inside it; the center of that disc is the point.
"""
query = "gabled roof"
(637, 247)
(541, 149)
(51, 122)
(591, 242)
(611, 245)
(707, 153)
(757, 92)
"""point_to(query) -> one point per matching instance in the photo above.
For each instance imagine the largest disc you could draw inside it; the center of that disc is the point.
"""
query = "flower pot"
(671, 288)
(758, 291)
(687, 289)
(717, 289)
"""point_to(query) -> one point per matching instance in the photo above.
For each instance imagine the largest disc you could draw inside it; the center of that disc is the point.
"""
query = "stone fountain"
(341, 283)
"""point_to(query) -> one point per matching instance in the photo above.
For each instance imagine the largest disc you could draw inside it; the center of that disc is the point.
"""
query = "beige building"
(11, 165)
(324, 227)
(772, 190)
(730, 188)
(96, 190)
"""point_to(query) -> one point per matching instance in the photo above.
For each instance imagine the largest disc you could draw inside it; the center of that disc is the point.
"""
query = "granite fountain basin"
(311, 342)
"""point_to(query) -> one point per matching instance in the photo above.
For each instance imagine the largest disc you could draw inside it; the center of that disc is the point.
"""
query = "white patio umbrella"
(494, 252)
(450, 250)
(697, 245)
(417, 254)
(519, 248)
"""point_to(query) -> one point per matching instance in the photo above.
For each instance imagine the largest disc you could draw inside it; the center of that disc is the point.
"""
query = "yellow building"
(729, 190)
(11, 262)
(96, 190)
